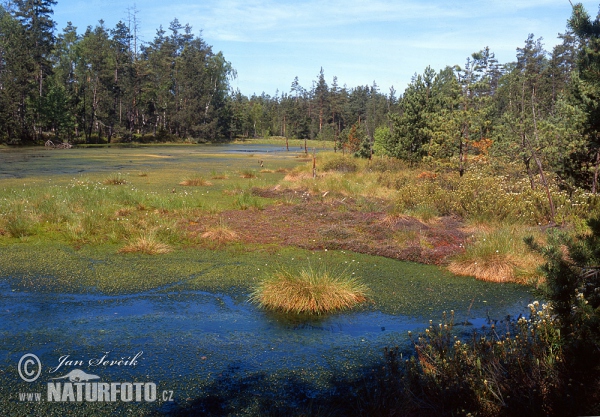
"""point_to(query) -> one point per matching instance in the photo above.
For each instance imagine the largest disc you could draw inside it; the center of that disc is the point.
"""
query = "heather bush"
(510, 368)
(340, 164)
(544, 363)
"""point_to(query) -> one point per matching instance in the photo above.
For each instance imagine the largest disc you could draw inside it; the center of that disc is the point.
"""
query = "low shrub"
(384, 164)
(478, 196)
(544, 363)
(340, 164)
(510, 369)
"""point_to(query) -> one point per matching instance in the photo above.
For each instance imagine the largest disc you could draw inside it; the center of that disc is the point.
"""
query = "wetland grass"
(196, 182)
(97, 210)
(245, 200)
(309, 291)
(116, 179)
(498, 255)
(247, 174)
(219, 176)
(221, 234)
(147, 244)
(20, 226)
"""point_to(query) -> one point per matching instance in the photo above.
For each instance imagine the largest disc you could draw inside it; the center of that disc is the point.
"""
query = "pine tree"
(16, 69)
(321, 96)
(39, 29)
(588, 87)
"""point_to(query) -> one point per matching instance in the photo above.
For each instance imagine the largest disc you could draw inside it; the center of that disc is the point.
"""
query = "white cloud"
(268, 20)
(358, 40)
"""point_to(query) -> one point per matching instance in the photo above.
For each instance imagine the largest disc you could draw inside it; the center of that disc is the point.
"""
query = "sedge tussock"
(123, 212)
(115, 180)
(297, 176)
(247, 174)
(498, 256)
(195, 182)
(492, 269)
(220, 234)
(146, 244)
(309, 291)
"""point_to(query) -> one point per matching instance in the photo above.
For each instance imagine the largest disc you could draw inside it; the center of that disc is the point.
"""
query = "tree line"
(104, 84)
(541, 111)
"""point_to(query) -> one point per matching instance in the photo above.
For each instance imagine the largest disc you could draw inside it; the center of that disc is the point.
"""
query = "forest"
(105, 85)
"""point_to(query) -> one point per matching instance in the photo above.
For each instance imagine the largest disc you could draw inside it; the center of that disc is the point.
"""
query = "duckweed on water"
(395, 287)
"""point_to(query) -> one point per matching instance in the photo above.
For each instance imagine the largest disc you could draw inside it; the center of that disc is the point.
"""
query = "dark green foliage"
(344, 164)
(546, 364)
(352, 138)
(412, 128)
(16, 66)
(366, 148)
(98, 85)
(572, 272)
(586, 90)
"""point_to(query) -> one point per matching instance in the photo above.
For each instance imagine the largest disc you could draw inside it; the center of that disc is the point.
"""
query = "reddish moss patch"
(337, 224)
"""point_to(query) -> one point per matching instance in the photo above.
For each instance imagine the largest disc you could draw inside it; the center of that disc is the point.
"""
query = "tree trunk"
(597, 165)
(537, 159)
(461, 156)
(527, 162)
(544, 182)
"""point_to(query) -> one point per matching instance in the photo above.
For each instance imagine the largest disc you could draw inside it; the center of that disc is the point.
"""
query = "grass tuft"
(247, 174)
(195, 182)
(309, 291)
(498, 256)
(492, 268)
(19, 226)
(426, 213)
(116, 179)
(147, 244)
(219, 177)
(245, 200)
(221, 234)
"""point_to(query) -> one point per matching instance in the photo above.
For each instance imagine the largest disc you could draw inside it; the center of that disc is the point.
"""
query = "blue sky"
(269, 42)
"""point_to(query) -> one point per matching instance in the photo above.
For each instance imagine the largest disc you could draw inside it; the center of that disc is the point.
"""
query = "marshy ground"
(70, 286)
